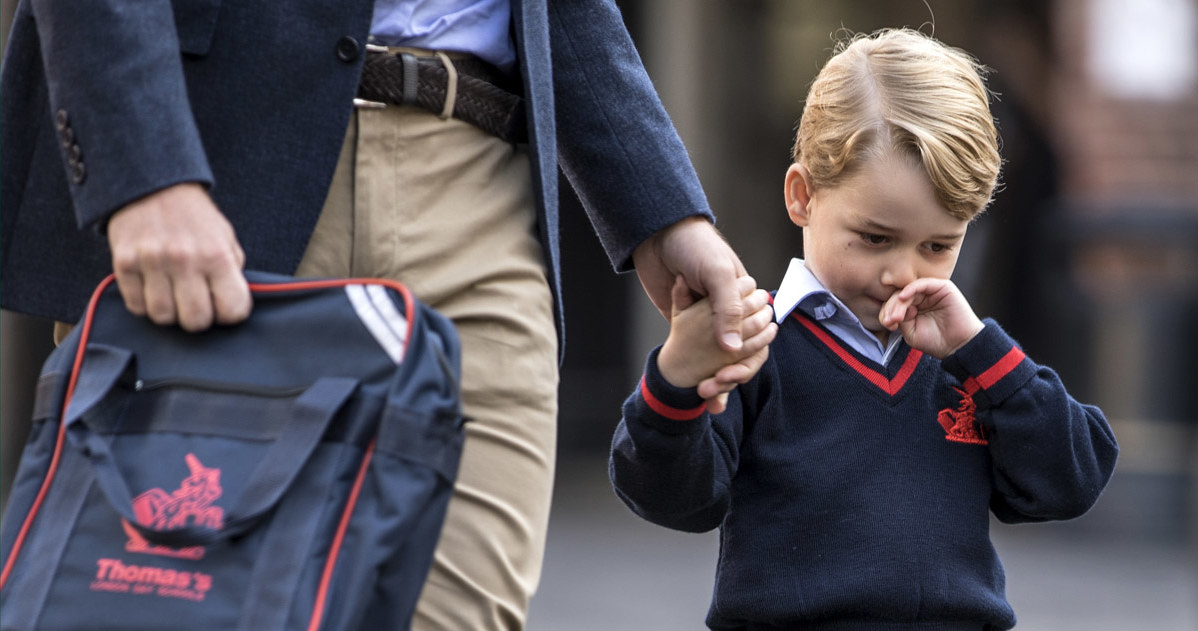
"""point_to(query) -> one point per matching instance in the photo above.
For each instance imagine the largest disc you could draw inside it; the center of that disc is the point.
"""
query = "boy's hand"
(691, 355)
(933, 315)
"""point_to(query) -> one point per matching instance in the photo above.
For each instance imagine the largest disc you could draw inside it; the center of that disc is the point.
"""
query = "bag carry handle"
(311, 414)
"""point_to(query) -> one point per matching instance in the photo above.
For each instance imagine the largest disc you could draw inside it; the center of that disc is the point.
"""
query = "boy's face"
(873, 233)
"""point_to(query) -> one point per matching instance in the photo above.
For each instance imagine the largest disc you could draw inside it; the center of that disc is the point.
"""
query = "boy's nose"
(898, 272)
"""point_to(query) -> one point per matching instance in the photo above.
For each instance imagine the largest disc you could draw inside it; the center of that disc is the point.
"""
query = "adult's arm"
(115, 77)
(622, 155)
(117, 91)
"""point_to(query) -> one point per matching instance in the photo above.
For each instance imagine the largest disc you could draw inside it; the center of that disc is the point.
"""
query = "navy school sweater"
(853, 495)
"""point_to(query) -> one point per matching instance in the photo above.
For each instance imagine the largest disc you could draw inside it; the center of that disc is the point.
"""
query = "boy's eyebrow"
(872, 224)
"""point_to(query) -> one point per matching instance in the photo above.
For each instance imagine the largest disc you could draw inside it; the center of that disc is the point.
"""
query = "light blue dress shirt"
(802, 290)
(479, 27)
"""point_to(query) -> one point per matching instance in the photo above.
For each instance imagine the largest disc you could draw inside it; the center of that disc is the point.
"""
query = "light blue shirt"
(479, 27)
(802, 290)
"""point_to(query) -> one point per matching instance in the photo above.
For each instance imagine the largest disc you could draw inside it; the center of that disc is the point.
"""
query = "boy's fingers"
(718, 404)
(894, 311)
(711, 389)
(756, 300)
(741, 372)
(761, 339)
(756, 323)
(729, 377)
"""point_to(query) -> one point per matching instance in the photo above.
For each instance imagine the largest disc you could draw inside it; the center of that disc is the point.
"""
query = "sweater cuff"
(991, 363)
(665, 399)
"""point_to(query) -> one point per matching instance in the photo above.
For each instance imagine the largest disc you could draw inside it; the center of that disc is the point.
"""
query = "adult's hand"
(758, 329)
(693, 249)
(177, 259)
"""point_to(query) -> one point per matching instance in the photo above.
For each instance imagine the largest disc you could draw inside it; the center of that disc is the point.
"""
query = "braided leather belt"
(472, 93)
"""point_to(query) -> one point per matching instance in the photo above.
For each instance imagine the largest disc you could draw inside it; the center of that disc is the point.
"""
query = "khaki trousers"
(449, 211)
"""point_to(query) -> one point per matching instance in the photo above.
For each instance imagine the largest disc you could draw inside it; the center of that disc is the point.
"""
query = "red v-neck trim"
(889, 386)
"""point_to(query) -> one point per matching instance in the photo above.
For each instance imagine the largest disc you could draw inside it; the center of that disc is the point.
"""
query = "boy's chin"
(874, 325)
(871, 320)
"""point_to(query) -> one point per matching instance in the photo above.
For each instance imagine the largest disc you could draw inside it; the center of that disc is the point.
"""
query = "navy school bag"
(290, 472)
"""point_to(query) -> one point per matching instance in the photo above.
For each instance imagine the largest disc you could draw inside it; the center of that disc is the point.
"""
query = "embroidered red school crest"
(191, 503)
(960, 425)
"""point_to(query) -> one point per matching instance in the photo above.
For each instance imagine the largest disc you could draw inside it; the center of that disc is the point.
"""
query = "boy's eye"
(939, 248)
(874, 239)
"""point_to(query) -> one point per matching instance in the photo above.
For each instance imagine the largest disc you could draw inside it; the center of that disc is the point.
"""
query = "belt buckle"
(364, 104)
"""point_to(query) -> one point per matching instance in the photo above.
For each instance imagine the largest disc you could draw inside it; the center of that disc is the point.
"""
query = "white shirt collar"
(801, 289)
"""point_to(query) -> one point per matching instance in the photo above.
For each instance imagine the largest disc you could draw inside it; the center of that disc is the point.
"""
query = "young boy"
(852, 478)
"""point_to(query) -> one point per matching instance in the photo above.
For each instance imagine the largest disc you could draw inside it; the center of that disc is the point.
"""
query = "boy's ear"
(798, 194)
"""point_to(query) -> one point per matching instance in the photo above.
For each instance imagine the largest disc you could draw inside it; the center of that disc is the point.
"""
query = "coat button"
(78, 173)
(60, 119)
(348, 49)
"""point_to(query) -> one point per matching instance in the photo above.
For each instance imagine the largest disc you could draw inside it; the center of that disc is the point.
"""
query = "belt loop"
(410, 69)
(451, 90)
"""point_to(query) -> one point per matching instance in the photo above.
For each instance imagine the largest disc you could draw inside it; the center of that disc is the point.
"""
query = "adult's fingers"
(680, 296)
(193, 301)
(177, 259)
(727, 308)
(132, 288)
(231, 297)
(158, 296)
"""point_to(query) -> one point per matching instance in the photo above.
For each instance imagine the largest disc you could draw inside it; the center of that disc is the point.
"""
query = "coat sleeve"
(118, 98)
(671, 462)
(1051, 455)
(616, 144)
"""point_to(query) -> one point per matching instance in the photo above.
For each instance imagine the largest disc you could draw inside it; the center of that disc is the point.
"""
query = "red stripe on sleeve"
(670, 412)
(1002, 368)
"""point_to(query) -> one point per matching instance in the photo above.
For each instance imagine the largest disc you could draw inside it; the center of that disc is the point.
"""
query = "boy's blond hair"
(898, 89)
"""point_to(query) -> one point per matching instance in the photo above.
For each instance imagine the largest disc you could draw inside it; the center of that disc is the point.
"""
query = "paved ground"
(605, 569)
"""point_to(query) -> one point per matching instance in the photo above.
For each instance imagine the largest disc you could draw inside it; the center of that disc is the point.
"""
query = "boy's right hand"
(691, 355)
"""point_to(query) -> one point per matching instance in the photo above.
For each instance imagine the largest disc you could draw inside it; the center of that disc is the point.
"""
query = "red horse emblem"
(960, 425)
(191, 503)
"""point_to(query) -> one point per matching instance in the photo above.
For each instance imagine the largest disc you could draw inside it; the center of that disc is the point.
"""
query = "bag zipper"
(146, 385)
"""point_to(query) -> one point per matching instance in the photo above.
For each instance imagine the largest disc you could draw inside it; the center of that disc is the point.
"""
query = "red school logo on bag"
(191, 502)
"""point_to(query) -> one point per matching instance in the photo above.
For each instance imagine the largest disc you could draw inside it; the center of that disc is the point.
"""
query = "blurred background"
(1089, 257)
